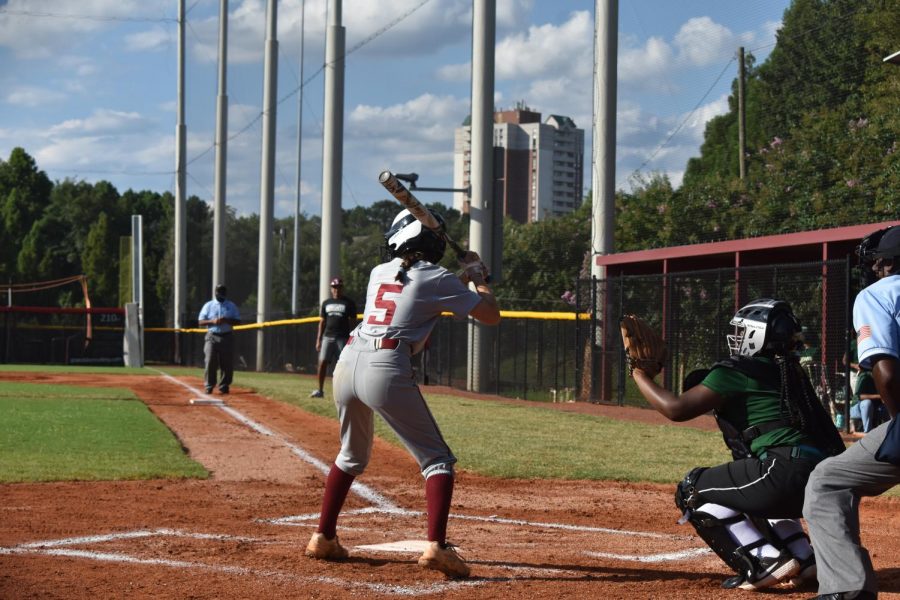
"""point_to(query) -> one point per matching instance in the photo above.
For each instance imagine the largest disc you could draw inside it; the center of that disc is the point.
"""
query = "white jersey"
(408, 310)
(876, 318)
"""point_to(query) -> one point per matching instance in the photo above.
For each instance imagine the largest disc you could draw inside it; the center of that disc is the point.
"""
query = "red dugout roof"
(821, 244)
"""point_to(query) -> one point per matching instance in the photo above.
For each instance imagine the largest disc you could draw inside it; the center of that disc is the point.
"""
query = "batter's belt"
(377, 343)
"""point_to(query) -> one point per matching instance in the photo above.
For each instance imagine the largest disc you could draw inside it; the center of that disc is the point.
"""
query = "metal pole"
(332, 150)
(267, 182)
(180, 184)
(295, 276)
(742, 116)
(482, 166)
(218, 271)
(603, 164)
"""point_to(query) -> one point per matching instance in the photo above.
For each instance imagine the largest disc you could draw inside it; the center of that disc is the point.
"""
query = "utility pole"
(295, 272)
(332, 149)
(218, 271)
(742, 117)
(603, 163)
(484, 19)
(180, 182)
(267, 180)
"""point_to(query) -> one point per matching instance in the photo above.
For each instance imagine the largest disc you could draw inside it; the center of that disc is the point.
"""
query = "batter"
(404, 299)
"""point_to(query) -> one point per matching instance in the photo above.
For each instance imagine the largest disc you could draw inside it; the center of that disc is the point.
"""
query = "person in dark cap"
(337, 320)
(871, 466)
(219, 315)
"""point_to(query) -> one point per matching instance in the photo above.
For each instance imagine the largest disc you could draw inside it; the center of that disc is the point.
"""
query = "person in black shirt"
(337, 320)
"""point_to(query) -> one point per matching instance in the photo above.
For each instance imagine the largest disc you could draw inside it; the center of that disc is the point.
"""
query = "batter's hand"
(474, 269)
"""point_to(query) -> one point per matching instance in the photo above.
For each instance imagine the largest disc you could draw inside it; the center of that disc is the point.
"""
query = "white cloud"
(42, 31)
(102, 122)
(701, 42)
(645, 67)
(458, 72)
(548, 50)
(79, 66)
(155, 39)
(31, 96)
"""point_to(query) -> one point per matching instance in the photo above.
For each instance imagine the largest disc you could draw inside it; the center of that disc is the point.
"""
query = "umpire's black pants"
(218, 351)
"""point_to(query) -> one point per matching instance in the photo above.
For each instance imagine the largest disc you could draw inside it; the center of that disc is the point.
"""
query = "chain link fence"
(693, 310)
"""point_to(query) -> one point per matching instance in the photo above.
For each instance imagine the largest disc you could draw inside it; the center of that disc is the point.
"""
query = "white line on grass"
(361, 489)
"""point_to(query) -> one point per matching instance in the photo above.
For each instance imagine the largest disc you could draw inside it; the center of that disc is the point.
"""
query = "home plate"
(208, 401)
(410, 546)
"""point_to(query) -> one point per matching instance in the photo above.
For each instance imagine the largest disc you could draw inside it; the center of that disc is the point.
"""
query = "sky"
(89, 88)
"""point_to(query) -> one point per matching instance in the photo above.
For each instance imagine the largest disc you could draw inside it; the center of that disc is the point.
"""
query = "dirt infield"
(241, 534)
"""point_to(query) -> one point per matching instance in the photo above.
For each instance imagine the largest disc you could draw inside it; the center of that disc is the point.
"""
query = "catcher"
(776, 429)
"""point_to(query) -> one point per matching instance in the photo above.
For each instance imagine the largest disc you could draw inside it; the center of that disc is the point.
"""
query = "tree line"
(822, 119)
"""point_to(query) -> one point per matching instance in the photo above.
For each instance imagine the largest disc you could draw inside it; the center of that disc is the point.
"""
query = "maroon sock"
(438, 493)
(336, 487)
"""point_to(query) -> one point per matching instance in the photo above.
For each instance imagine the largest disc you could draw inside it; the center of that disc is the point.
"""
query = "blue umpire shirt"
(215, 309)
(876, 317)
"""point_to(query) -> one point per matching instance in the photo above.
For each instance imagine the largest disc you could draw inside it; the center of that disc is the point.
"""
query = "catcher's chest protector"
(810, 416)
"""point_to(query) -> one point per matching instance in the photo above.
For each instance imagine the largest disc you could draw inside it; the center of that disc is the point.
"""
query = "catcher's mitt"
(644, 348)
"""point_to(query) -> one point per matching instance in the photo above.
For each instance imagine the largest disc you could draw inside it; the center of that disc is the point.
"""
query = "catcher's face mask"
(764, 324)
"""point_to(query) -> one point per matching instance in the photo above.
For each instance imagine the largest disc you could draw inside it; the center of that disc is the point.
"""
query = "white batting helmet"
(407, 234)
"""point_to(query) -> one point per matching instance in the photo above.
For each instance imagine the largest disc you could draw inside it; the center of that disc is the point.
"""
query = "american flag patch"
(865, 332)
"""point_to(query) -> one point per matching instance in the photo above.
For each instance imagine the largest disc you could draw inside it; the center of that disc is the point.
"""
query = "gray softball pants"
(369, 380)
(831, 509)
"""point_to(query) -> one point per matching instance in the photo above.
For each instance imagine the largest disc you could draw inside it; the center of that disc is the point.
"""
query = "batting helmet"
(765, 325)
(407, 235)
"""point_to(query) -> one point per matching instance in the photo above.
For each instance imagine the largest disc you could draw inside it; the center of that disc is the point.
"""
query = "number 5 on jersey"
(388, 306)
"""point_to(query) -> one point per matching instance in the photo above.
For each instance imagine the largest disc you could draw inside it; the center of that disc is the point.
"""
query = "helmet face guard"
(764, 325)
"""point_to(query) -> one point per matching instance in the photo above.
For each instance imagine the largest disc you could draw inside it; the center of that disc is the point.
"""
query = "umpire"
(871, 466)
(219, 315)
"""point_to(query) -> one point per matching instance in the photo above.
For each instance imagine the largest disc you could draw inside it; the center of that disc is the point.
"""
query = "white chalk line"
(361, 489)
(290, 520)
(381, 588)
(651, 558)
(139, 533)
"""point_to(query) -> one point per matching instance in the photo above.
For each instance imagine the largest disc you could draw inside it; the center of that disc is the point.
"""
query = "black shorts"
(771, 487)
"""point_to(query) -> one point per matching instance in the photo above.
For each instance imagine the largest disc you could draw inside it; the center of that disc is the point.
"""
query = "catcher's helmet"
(765, 325)
(407, 235)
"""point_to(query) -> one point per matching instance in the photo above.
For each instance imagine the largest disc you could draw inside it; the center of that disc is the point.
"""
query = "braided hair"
(409, 259)
(800, 405)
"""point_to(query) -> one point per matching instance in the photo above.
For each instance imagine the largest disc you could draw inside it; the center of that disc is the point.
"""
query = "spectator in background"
(336, 320)
(219, 315)
(809, 351)
(868, 407)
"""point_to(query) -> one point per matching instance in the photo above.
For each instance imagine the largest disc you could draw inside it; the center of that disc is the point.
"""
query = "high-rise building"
(538, 167)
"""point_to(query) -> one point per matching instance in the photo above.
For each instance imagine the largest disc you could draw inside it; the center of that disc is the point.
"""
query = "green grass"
(58, 433)
(54, 432)
(514, 441)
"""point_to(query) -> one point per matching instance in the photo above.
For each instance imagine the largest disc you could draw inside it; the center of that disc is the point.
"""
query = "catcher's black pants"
(770, 487)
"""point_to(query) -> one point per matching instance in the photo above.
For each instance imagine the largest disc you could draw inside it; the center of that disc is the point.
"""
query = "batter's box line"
(57, 548)
(291, 520)
(362, 490)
